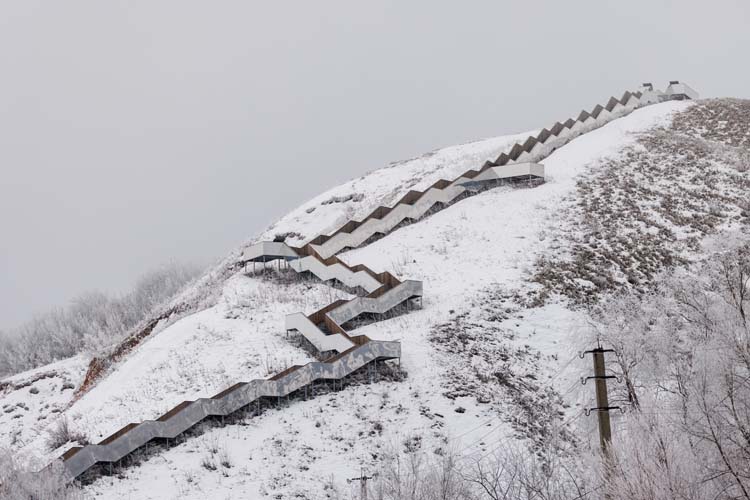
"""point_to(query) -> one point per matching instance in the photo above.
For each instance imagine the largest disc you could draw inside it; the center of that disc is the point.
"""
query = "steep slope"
(412, 205)
(391, 293)
(322, 214)
(420, 406)
(198, 356)
(240, 335)
(504, 272)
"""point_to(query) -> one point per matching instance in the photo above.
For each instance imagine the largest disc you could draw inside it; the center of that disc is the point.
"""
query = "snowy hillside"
(509, 278)
(32, 401)
(487, 244)
(240, 336)
(325, 213)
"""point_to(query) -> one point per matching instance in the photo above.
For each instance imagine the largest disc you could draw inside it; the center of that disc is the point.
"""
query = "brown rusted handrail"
(308, 250)
(286, 372)
(228, 390)
(319, 316)
(117, 434)
(69, 453)
(517, 150)
(340, 355)
(174, 411)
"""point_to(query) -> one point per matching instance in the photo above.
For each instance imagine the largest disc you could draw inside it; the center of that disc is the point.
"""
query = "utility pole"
(362, 484)
(602, 400)
(602, 403)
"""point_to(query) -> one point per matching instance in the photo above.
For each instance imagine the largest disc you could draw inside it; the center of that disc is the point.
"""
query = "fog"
(137, 133)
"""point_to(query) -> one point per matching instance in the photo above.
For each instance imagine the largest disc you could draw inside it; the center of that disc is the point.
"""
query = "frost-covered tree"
(92, 321)
(684, 352)
(18, 482)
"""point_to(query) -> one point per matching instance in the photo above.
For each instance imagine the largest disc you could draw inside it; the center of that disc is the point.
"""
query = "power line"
(602, 397)
(504, 441)
(547, 383)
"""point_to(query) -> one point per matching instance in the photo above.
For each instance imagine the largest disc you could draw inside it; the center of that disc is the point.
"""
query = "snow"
(385, 186)
(495, 237)
(492, 239)
(489, 239)
(33, 400)
(239, 339)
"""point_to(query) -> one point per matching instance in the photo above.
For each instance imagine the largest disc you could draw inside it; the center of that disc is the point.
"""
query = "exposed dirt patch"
(726, 121)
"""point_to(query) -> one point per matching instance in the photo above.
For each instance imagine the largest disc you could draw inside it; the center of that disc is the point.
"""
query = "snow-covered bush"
(19, 483)
(683, 353)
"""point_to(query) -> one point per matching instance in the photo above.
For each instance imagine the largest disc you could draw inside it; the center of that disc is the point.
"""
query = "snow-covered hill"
(490, 357)
(239, 336)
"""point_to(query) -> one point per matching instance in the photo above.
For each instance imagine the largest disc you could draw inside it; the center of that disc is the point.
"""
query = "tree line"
(92, 321)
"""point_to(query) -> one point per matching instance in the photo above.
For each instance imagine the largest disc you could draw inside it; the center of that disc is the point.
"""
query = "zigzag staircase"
(520, 162)
(384, 291)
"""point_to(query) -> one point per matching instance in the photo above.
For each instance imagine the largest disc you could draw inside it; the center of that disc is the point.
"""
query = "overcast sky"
(135, 133)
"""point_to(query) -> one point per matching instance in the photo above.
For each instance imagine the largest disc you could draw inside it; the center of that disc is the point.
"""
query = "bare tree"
(514, 472)
(414, 474)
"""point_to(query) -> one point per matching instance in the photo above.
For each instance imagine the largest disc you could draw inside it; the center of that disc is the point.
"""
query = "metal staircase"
(189, 413)
(384, 291)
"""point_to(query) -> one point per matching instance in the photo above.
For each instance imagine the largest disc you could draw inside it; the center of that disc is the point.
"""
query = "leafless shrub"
(216, 454)
(414, 474)
(62, 434)
(224, 459)
(211, 444)
(208, 463)
(511, 472)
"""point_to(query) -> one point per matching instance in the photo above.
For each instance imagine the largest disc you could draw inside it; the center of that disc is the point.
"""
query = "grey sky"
(134, 133)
